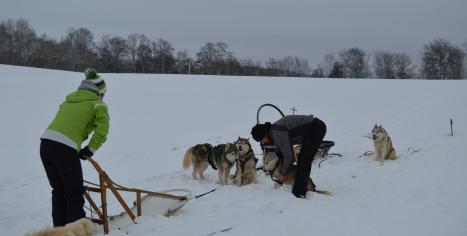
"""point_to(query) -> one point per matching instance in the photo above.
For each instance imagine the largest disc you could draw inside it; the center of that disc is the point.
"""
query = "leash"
(327, 156)
(206, 193)
(212, 190)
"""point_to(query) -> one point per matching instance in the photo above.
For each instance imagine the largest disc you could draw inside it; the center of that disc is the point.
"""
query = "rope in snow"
(220, 231)
(413, 150)
(325, 158)
(208, 192)
(214, 189)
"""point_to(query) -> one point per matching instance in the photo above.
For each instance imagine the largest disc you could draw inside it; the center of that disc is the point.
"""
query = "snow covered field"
(155, 118)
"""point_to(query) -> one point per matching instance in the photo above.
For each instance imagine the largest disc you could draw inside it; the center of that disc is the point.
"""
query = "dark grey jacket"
(285, 133)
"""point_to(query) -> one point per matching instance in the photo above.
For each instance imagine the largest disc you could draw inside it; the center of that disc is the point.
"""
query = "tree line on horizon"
(20, 45)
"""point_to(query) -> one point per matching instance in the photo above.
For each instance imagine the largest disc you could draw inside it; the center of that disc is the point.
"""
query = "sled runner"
(154, 203)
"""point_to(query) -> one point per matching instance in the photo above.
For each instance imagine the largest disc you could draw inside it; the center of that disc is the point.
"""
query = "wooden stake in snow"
(452, 134)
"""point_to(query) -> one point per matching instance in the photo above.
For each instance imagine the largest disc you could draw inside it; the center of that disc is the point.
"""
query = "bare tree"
(337, 70)
(163, 55)
(112, 52)
(24, 39)
(354, 62)
(250, 67)
(119, 52)
(105, 55)
(318, 72)
(302, 67)
(48, 53)
(7, 53)
(79, 44)
(183, 62)
(327, 64)
(132, 42)
(144, 55)
(274, 67)
(442, 60)
(289, 66)
(404, 67)
(212, 58)
(465, 64)
(384, 65)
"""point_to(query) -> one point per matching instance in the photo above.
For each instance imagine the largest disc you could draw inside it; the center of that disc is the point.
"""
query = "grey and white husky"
(224, 157)
(383, 144)
(246, 163)
(221, 158)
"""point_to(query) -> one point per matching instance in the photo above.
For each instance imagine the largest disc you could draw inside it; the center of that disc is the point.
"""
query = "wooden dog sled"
(161, 203)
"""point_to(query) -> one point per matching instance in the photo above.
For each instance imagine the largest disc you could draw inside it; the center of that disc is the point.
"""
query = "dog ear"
(376, 126)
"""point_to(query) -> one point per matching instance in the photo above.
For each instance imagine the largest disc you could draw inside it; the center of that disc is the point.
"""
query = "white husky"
(383, 144)
(82, 227)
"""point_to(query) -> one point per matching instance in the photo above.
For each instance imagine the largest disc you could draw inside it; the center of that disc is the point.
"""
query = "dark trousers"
(310, 145)
(65, 175)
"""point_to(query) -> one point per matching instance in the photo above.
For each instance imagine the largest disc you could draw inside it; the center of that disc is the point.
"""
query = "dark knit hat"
(260, 131)
(92, 76)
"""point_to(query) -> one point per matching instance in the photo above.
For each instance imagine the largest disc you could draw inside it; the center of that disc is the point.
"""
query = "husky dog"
(197, 155)
(224, 157)
(246, 163)
(81, 227)
(271, 163)
(221, 158)
(383, 144)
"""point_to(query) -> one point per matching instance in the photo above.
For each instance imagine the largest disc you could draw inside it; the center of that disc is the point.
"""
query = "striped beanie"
(93, 77)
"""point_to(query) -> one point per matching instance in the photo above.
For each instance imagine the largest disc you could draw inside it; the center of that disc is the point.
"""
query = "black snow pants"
(310, 145)
(63, 168)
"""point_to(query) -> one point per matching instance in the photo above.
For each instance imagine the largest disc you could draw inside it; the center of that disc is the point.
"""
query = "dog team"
(222, 158)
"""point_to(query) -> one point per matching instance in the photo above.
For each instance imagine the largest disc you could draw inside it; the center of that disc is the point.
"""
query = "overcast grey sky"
(257, 29)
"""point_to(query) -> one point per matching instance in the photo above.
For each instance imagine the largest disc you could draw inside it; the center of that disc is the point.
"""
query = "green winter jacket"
(82, 113)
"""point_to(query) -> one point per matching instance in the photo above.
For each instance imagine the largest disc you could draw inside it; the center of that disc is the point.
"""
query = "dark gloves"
(85, 153)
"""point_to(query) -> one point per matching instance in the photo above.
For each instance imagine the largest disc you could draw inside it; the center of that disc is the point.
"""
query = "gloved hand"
(83, 157)
(282, 179)
(85, 153)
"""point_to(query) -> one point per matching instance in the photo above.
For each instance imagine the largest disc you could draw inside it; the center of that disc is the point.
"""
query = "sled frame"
(106, 183)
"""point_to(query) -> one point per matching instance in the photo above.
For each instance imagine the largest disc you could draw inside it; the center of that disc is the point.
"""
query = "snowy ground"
(155, 118)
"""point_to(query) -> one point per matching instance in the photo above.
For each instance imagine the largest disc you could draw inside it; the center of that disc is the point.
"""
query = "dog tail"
(187, 158)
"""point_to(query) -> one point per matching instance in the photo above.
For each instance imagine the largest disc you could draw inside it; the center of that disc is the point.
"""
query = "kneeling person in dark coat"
(290, 130)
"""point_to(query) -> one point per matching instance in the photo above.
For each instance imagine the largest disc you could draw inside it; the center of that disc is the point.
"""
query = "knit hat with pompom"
(93, 77)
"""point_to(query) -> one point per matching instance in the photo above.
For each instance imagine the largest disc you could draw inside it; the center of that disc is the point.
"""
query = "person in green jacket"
(83, 112)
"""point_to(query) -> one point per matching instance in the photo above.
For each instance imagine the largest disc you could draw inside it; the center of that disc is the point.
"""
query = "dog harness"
(251, 155)
(216, 152)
